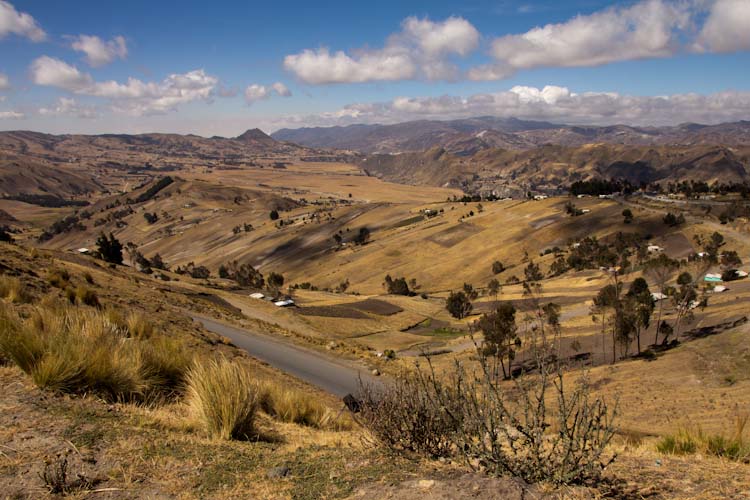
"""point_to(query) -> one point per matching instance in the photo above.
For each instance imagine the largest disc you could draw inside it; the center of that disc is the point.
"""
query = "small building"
(657, 296)
(539, 197)
(740, 274)
(720, 288)
(654, 249)
(256, 295)
(83, 251)
(284, 303)
(712, 278)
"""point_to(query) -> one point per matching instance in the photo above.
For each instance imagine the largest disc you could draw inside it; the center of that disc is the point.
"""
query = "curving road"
(331, 375)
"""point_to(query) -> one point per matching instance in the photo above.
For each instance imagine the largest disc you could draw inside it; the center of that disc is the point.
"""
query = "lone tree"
(627, 215)
(459, 305)
(501, 335)
(497, 267)
(363, 236)
(275, 281)
(641, 304)
(274, 215)
(109, 248)
(493, 288)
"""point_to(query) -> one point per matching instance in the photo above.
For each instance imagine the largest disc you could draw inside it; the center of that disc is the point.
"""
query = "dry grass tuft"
(690, 440)
(138, 326)
(12, 290)
(223, 396)
(294, 406)
(79, 350)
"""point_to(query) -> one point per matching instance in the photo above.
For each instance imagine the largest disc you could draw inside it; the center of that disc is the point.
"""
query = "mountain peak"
(254, 135)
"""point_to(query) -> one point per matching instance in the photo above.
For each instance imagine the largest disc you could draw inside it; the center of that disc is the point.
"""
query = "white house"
(284, 303)
(256, 295)
(655, 249)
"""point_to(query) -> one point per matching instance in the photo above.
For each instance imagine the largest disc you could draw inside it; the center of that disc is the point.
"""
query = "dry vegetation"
(107, 358)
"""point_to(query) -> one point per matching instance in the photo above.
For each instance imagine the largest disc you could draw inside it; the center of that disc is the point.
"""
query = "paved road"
(329, 374)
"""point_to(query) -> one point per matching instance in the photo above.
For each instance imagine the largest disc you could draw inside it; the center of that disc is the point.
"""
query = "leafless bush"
(406, 416)
(539, 426)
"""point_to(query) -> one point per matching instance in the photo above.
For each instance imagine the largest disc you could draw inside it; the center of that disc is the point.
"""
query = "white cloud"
(553, 103)
(727, 28)
(98, 52)
(281, 89)
(56, 73)
(255, 92)
(19, 23)
(645, 30)
(11, 115)
(134, 96)
(421, 48)
(69, 106)
(4, 82)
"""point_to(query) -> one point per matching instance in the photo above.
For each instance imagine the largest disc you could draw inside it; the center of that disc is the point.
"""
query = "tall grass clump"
(297, 407)
(79, 350)
(12, 290)
(688, 440)
(223, 396)
(138, 326)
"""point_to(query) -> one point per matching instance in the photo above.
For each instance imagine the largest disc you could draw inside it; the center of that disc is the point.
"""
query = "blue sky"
(222, 67)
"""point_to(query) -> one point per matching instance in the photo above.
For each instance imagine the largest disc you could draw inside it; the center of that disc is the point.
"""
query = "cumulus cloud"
(19, 23)
(552, 103)
(645, 30)
(255, 92)
(4, 82)
(727, 28)
(98, 52)
(421, 49)
(11, 115)
(134, 96)
(281, 89)
(70, 107)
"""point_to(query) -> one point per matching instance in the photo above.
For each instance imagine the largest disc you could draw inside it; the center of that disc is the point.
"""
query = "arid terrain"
(339, 226)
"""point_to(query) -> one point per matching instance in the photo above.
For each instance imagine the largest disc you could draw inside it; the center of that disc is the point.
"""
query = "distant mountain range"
(466, 137)
(73, 165)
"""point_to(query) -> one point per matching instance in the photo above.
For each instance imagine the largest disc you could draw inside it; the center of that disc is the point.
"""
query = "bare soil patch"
(375, 306)
(455, 234)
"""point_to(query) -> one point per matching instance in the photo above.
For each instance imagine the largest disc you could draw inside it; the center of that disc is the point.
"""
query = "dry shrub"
(76, 350)
(540, 426)
(295, 406)
(224, 397)
(406, 416)
(12, 290)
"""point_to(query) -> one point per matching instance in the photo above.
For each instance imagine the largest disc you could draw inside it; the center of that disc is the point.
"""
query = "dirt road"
(331, 375)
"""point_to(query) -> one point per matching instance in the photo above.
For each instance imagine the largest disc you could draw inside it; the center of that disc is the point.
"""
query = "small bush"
(223, 396)
(59, 278)
(87, 296)
(405, 416)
